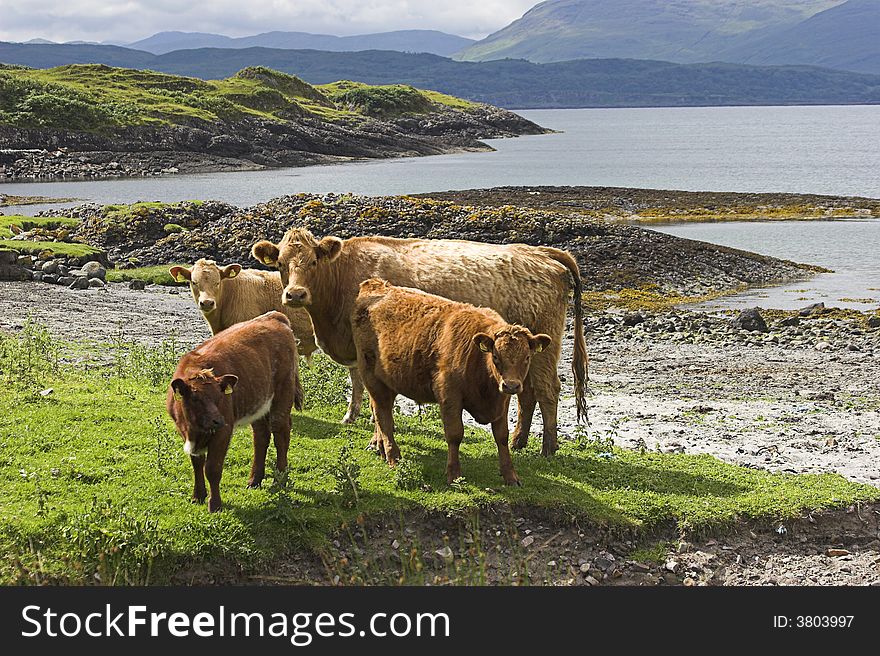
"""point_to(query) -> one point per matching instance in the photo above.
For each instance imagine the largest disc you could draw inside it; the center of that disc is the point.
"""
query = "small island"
(94, 121)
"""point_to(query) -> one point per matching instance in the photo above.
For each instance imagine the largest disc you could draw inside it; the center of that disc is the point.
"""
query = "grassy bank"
(54, 232)
(94, 480)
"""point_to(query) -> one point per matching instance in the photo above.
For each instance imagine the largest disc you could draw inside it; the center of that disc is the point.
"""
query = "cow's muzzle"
(508, 387)
(296, 297)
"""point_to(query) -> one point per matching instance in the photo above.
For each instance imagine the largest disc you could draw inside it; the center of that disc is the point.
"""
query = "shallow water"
(847, 246)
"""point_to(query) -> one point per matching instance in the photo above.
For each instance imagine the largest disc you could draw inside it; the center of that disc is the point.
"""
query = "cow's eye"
(496, 359)
(313, 263)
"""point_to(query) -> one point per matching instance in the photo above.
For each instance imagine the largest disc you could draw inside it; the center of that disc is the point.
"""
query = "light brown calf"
(245, 375)
(526, 285)
(228, 295)
(434, 350)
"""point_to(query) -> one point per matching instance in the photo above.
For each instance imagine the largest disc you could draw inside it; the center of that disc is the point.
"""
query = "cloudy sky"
(130, 20)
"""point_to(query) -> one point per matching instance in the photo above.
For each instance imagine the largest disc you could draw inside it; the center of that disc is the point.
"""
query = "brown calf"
(434, 350)
(229, 295)
(246, 374)
(526, 285)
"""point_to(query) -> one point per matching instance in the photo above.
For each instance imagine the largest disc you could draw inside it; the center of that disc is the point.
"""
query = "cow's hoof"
(214, 507)
(253, 485)
(350, 417)
(519, 442)
(514, 482)
(197, 500)
(549, 450)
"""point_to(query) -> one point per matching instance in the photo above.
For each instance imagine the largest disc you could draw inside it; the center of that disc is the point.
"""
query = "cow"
(526, 285)
(227, 295)
(245, 375)
(434, 350)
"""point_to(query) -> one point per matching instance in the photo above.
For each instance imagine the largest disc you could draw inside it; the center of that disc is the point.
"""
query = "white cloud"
(131, 20)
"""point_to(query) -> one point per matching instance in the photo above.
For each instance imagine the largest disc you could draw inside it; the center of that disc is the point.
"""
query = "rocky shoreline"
(53, 154)
(612, 256)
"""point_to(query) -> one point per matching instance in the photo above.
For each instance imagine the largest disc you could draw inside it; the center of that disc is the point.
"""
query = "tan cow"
(229, 295)
(434, 350)
(526, 285)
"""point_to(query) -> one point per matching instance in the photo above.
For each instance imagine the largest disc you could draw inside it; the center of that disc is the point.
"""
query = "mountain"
(684, 31)
(432, 41)
(506, 83)
(846, 37)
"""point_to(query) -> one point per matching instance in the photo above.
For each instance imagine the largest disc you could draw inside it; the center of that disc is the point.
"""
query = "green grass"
(93, 478)
(152, 275)
(97, 97)
(29, 222)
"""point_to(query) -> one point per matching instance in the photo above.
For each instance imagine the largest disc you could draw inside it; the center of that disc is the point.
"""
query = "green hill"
(95, 97)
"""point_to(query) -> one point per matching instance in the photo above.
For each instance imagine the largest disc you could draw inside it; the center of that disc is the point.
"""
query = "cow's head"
(204, 407)
(511, 352)
(301, 259)
(205, 280)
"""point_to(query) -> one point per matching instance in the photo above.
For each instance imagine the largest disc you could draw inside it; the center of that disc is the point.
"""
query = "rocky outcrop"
(612, 256)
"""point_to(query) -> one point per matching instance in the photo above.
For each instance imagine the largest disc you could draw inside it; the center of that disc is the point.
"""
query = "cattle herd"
(461, 324)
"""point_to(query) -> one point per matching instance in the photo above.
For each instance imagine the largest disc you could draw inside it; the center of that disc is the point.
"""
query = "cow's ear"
(227, 383)
(486, 343)
(329, 247)
(230, 271)
(266, 253)
(539, 342)
(180, 389)
(180, 274)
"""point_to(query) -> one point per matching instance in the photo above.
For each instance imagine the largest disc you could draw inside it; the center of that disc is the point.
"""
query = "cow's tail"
(580, 361)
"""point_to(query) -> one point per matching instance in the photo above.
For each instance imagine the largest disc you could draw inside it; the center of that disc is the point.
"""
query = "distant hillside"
(505, 83)
(683, 31)
(431, 41)
(845, 37)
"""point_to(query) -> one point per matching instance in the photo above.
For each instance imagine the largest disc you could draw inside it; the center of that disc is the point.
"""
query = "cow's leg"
(501, 430)
(280, 424)
(526, 401)
(382, 402)
(214, 468)
(261, 445)
(199, 491)
(357, 396)
(453, 430)
(545, 382)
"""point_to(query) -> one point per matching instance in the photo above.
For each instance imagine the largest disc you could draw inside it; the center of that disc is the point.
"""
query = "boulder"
(93, 270)
(49, 266)
(50, 278)
(874, 322)
(137, 285)
(79, 283)
(14, 272)
(810, 310)
(750, 320)
(95, 283)
(26, 261)
(633, 319)
(8, 258)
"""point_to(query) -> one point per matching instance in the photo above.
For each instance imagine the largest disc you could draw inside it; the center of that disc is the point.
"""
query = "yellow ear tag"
(178, 396)
(228, 389)
(539, 349)
(180, 278)
(269, 261)
(483, 347)
(232, 273)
